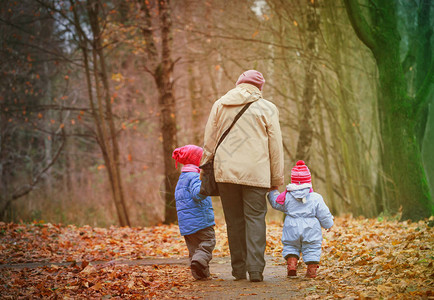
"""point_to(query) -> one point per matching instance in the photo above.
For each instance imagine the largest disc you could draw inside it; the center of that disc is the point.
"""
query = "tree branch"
(359, 23)
(424, 91)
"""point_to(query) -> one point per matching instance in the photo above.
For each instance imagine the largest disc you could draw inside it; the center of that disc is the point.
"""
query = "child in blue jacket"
(195, 212)
(306, 212)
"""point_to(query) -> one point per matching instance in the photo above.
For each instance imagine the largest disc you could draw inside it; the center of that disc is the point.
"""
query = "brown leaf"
(84, 264)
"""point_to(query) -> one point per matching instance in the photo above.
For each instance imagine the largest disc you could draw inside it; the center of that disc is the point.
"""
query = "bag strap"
(239, 114)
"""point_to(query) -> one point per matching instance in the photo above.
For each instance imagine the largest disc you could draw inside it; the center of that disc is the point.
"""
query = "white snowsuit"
(303, 222)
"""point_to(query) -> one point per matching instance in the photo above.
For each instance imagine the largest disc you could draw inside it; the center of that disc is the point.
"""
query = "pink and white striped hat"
(300, 173)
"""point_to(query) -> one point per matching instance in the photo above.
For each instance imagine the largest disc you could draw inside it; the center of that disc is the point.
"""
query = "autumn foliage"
(362, 259)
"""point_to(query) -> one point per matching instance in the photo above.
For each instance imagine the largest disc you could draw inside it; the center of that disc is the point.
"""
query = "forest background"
(95, 96)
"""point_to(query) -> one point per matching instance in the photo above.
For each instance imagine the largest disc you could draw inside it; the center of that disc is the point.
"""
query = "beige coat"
(252, 152)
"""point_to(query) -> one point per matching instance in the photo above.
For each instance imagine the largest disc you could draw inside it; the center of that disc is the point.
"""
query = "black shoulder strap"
(239, 114)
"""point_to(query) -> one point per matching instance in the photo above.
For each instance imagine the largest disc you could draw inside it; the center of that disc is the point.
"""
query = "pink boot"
(311, 270)
(292, 266)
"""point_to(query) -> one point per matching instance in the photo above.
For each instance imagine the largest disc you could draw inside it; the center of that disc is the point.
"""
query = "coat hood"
(300, 191)
(244, 93)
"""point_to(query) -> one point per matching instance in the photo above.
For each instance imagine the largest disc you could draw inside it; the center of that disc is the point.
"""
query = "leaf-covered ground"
(362, 259)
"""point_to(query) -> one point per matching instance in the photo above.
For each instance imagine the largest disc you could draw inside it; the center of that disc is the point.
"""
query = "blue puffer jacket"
(195, 211)
(303, 222)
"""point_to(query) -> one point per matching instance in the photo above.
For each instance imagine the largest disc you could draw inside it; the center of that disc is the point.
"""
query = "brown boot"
(311, 270)
(292, 266)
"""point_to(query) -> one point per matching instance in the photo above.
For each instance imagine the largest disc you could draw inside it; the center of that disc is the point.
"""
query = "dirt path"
(275, 285)
(222, 285)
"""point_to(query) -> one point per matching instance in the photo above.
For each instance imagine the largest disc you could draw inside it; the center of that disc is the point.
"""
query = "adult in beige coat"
(247, 164)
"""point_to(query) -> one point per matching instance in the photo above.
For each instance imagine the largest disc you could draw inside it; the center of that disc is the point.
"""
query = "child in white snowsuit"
(306, 213)
(195, 212)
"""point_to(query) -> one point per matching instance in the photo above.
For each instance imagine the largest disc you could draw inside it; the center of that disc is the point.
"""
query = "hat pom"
(300, 163)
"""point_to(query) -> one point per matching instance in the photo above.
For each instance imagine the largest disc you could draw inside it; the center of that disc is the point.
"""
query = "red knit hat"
(189, 154)
(253, 77)
(300, 173)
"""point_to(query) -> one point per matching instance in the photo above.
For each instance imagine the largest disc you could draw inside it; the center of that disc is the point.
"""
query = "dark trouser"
(245, 208)
(200, 246)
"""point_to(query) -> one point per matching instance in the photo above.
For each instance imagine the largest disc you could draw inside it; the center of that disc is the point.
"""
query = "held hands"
(270, 190)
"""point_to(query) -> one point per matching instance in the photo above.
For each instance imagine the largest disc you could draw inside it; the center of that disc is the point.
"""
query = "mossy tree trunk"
(404, 180)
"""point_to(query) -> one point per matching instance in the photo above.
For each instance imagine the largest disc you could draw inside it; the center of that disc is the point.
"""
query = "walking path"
(275, 285)
(222, 285)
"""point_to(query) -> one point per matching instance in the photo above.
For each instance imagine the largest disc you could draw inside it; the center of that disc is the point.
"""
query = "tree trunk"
(106, 117)
(404, 178)
(101, 110)
(424, 60)
(310, 85)
(405, 181)
(164, 82)
(161, 68)
(48, 143)
(168, 130)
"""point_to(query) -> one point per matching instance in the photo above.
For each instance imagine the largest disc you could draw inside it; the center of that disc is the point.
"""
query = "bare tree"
(100, 100)
(160, 65)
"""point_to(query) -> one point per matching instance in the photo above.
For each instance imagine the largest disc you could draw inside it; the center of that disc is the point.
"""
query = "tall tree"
(404, 177)
(160, 65)
(100, 100)
(310, 89)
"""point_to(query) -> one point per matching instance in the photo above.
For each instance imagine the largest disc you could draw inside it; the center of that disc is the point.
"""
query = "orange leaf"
(97, 286)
